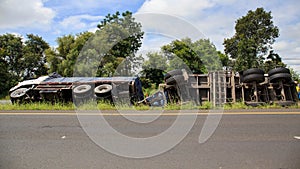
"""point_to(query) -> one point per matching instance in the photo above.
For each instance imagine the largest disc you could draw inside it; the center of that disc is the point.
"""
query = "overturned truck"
(253, 87)
(57, 88)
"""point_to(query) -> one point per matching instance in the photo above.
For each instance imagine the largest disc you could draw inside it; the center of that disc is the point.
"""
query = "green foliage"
(112, 46)
(255, 34)
(180, 52)
(295, 74)
(224, 59)
(153, 69)
(4, 82)
(53, 60)
(21, 60)
(63, 59)
(206, 105)
(208, 53)
(200, 56)
(273, 61)
(33, 54)
(11, 48)
(120, 38)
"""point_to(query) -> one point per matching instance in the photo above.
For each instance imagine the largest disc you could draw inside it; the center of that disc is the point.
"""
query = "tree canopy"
(255, 34)
(21, 60)
(200, 56)
(122, 37)
(154, 68)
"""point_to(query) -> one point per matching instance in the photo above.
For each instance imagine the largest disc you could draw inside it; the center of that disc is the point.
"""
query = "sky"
(215, 19)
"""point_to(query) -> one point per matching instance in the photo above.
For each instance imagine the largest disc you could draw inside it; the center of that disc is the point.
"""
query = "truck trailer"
(56, 88)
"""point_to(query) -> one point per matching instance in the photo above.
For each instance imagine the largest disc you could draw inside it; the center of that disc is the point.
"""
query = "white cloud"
(288, 44)
(216, 20)
(280, 45)
(186, 8)
(209, 20)
(80, 22)
(19, 13)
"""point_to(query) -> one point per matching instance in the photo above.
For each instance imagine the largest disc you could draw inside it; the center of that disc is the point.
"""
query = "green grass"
(6, 97)
(237, 105)
(109, 106)
(37, 106)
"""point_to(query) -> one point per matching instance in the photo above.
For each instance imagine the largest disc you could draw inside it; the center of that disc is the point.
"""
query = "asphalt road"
(241, 141)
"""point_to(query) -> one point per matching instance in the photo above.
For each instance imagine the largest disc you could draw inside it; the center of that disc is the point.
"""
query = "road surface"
(243, 140)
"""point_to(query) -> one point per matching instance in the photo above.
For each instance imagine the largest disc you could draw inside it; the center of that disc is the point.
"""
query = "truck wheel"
(172, 73)
(175, 79)
(19, 93)
(103, 90)
(82, 90)
(253, 71)
(254, 78)
(280, 76)
(278, 70)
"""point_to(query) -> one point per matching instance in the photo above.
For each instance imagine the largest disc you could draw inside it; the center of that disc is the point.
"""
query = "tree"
(21, 60)
(11, 47)
(154, 69)
(122, 37)
(65, 45)
(34, 57)
(5, 75)
(273, 61)
(255, 34)
(208, 54)
(200, 56)
(53, 60)
(224, 60)
(63, 58)
(66, 68)
(295, 74)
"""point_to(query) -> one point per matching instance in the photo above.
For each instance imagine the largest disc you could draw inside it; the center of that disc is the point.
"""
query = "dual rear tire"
(253, 75)
(279, 74)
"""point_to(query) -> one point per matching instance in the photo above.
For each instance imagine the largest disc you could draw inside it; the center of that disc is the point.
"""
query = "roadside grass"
(5, 97)
(108, 106)
(241, 105)
(38, 106)
(238, 105)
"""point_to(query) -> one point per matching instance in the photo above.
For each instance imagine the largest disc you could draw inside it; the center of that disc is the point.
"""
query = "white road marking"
(167, 113)
(297, 137)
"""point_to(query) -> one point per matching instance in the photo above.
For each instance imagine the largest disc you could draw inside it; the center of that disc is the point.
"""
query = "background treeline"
(31, 57)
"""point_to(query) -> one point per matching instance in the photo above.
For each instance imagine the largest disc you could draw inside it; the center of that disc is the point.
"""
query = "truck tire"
(19, 93)
(82, 90)
(172, 73)
(280, 76)
(175, 79)
(103, 90)
(253, 71)
(254, 78)
(278, 70)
